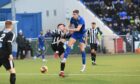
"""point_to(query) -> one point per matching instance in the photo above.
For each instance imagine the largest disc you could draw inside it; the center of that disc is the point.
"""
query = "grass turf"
(110, 69)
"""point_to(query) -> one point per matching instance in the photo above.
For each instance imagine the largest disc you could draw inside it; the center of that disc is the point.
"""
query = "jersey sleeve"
(10, 39)
(88, 33)
(71, 21)
(81, 21)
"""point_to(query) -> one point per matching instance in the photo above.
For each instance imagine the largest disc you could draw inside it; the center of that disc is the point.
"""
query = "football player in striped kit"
(94, 35)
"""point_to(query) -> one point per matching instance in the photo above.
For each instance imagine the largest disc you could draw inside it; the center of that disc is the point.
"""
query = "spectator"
(48, 34)
(137, 20)
(110, 26)
(135, 34)
(116, 28)
(132, 21)
(120, 11)
(28, 47)
(21, 45)
(138, 27)
(123, 31)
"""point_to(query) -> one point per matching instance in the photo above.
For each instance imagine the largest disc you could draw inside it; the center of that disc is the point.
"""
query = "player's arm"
(99, 34)
(86, 40)
(9, 45)
(76, 29)
(81, 22)
(87, 36)
(62, 40)
(70, 25)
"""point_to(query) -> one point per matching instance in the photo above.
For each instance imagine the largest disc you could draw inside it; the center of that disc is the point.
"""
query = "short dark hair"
(8, 23)
(76, 11)
(60, 25)
(93, 23)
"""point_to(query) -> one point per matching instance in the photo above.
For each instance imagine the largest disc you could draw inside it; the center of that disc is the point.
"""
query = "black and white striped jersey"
(93, 35)
(57, 35)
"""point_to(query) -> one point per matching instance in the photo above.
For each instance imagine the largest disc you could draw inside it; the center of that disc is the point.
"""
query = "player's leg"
(66, 53)
(9, 65)
(55, 49)
(39, 51)
(12, 76)
(82, 48)
(61, 49)
(93, 56)
(93, 53)
(43, 53)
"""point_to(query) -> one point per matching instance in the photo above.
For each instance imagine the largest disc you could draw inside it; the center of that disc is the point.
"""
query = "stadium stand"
(122, 17)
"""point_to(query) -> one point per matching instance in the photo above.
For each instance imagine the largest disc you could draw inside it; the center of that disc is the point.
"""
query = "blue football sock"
(67, 51)
(43, 56)
(83, 57)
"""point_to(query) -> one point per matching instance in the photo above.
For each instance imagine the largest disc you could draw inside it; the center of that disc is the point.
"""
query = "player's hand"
(86, 43)
(62, 40)
(11, 57)
(67, 29)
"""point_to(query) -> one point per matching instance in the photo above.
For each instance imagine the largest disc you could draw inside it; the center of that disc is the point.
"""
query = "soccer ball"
(44, 69)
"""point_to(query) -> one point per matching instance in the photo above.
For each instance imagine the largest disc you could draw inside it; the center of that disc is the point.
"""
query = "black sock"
(12, 78)
(93, 57)
(62, 66)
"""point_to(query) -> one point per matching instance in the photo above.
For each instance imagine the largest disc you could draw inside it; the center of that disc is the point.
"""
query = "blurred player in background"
(41, 46)
(79, 31)
(94, 35)
(6, 58)
(58, 45)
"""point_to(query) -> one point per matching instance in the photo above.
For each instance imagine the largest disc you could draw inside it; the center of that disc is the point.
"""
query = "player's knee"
(93, 51)
(71, 42)
(12, 70)
(82, 47)
(63, 60)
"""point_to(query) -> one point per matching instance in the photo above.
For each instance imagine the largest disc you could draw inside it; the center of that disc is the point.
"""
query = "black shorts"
(54, 47)
(6, 63)
(58, 47)
(61, 48)
(93, 46)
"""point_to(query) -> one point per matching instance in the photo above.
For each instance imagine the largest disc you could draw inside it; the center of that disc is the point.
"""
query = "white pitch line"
(37, 74)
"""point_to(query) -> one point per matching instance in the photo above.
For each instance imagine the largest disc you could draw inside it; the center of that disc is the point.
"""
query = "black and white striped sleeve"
(11, 37)
(88, 32)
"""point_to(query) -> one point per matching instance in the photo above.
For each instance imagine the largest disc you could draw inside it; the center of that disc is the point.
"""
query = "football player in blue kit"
(41, 46)
(79, 34)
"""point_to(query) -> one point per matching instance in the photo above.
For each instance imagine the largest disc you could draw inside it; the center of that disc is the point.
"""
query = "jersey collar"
(6, 31)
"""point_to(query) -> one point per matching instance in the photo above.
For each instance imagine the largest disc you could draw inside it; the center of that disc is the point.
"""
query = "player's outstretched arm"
(76, 29)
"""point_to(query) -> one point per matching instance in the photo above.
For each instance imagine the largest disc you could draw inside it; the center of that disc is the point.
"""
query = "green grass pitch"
(110, 69)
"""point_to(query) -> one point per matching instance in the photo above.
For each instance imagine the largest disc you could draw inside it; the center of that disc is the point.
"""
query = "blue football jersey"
(76, 22)
(41, 40)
